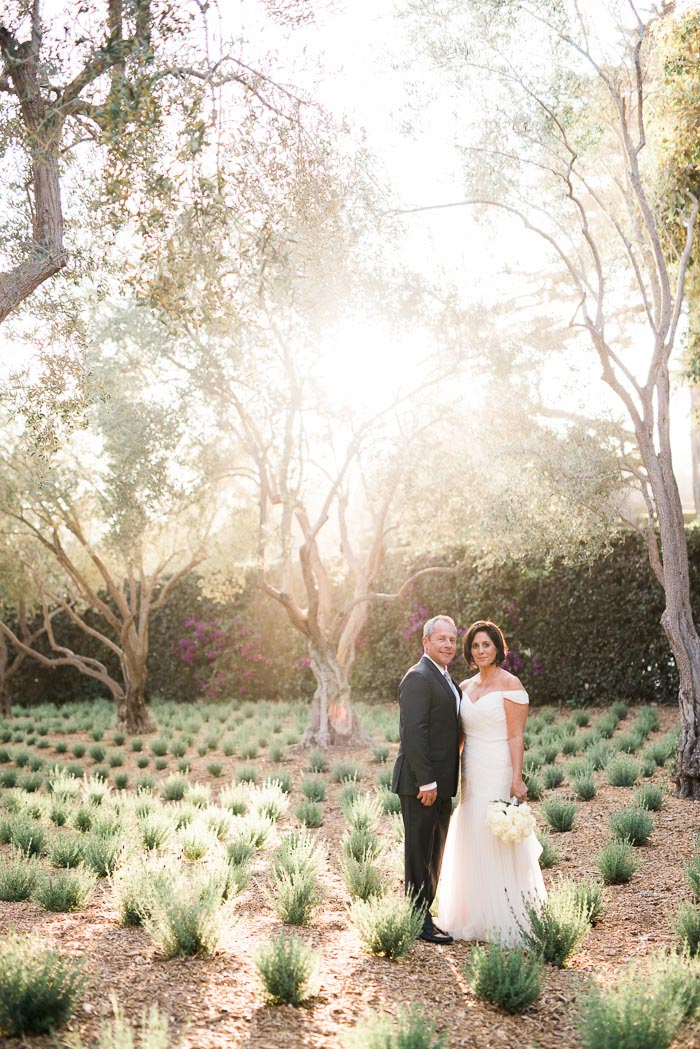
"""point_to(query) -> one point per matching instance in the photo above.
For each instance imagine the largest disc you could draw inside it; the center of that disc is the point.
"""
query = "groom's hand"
(427, 797)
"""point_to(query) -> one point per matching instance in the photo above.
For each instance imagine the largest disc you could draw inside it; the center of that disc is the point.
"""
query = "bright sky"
(360, 78)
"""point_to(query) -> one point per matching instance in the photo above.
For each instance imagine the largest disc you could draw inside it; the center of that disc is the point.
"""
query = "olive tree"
(559, 141)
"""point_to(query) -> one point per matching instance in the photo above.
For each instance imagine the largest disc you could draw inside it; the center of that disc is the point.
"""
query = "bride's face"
(484, 651)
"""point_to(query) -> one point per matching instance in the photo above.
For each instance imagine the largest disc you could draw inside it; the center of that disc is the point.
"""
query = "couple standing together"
(485, 882)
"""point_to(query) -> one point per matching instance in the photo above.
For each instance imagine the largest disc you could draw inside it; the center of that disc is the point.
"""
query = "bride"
(484, 880)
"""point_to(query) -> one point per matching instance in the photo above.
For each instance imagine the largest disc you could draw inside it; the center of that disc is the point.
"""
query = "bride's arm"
(516, 716)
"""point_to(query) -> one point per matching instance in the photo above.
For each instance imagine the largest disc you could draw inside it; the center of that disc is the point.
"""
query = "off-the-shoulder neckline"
(496, 692)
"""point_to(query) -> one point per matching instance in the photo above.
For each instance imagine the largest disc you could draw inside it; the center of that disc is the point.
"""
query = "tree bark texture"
(332, 720)
(45, 254)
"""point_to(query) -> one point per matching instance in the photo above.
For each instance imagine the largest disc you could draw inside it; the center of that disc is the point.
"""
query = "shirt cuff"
(429, 786)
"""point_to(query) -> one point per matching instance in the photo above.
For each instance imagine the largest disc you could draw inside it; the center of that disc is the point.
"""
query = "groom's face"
(441, 646)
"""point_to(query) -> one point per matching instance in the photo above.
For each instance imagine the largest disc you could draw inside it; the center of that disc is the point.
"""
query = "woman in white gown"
(485, 881)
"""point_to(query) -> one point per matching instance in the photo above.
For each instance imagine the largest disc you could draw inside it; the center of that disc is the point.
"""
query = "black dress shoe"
(431, 934)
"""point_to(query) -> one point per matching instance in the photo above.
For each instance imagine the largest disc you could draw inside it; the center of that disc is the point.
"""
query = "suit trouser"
(425, 828)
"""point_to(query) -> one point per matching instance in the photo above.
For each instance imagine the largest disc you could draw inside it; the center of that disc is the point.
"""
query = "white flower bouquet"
(509, 821)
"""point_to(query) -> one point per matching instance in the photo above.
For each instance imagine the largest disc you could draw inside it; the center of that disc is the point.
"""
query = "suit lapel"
(441, 678)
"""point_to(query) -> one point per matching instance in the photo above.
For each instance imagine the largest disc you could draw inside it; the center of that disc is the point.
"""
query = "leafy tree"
(563, 114)
(118, 527)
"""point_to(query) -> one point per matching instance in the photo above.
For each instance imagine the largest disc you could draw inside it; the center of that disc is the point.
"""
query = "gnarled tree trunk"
(332, 721)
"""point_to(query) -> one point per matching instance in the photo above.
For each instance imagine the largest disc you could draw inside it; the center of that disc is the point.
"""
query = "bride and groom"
(484, 881)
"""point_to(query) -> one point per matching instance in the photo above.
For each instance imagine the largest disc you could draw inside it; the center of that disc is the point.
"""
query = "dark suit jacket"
(429, 731)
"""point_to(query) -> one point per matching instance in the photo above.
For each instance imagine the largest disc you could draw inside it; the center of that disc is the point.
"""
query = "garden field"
(161, 872)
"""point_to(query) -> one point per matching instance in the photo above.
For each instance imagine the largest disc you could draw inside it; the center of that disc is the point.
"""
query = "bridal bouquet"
(509, 821)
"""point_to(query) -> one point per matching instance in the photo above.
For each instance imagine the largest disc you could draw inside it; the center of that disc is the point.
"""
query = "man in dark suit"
(426, 770)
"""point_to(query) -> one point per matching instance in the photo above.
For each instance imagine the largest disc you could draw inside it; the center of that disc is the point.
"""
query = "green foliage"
(64, 890)
(346, 772)
(287, 968)
(686, 926)
(67, 850)
(18, 875)
(633, 825)
(692, 874)
(313, 788)
(387, 926)
(555, 929)
(362, 878)
(153, 1032)
(622, 771)
(552, 776)
(410, 1030)
(584, 785)
(589, 896)
(550, 854)
(38, 987)
(649, 797)
(310, 813)
(510, 978)
(560, 814)
(644, 1009)
(616, 863)
(185, 919)
(317, 761)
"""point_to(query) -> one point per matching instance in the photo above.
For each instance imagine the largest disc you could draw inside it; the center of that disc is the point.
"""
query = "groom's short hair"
(430, 625)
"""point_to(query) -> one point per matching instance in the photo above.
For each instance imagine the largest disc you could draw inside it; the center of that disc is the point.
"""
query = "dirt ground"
(216, 1002)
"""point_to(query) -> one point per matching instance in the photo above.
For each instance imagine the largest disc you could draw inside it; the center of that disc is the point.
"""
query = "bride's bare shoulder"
(464, 685)
(510, 683)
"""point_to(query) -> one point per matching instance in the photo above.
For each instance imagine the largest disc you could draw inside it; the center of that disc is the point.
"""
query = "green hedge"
(578, 633)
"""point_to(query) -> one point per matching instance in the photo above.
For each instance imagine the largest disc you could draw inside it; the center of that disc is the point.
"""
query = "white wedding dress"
(484, 879)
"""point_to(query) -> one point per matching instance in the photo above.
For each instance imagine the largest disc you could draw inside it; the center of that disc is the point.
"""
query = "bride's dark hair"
(496, 635)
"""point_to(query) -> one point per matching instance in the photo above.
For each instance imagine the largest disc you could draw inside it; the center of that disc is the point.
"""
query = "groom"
(426, 769)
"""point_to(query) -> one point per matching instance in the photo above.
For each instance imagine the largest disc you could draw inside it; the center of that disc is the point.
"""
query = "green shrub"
(215, 769)
(64, 890)
(318, 762)
(135, 886)
(616, 863)
(29, 836)
(78, 750)
(535, 787)
(121, 780)
(580, 718)
(184, 921)
(18, 875)
(309, 813)
(174, 788)
(362, 879)
(647, 720)
(410, 1030)
(159, 747)
(313, 788)
(589, 896)
(296, 896)
(628, 742)
(692, 874)
(560, 814)
(247, 774)
(97, 752)
(649, 797)
(686, 926)
(380, 753)
(550, 854)
(644, 1009)
(8, 778)
(143, 761)
(584, 786)
(622, 771)
(137, 744)
(360, 842)
(67, 850)
(660, 750)
(510, 978)
(387, 926)
(346, 772)
(619, 709)
(605, 726)
(102, 854)
(599, 754)
(287, 968)
(552, 776)
(632, 825)
(555, 929)
(38, 986)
